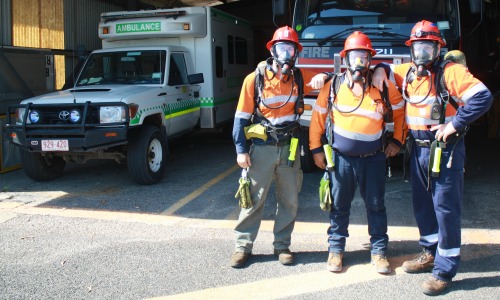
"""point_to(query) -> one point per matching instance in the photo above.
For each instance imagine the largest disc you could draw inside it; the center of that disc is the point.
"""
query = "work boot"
(433, 286)
(381, 263)
(238, 259)
(285, 256)
(423, 262)
(334, 263)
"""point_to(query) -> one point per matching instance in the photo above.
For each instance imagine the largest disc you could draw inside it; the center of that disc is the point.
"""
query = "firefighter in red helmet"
(265, 134)
(442, 100)
(353, 114)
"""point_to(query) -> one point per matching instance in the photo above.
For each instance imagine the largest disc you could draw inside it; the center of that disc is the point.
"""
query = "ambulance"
(160, 74)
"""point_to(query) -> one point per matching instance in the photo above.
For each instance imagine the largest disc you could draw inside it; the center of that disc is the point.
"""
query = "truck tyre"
(306, 157)
(41, 168)
(147, 155)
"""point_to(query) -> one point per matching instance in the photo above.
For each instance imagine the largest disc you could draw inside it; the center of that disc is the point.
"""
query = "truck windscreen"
(384, 21)
(124, 67)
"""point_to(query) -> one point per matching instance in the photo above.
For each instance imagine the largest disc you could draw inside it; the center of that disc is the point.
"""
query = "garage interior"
(66, 30)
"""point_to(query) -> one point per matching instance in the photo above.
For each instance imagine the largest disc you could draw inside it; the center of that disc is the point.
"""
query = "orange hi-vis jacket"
(275, 93)
(358, 132)
(468, 92)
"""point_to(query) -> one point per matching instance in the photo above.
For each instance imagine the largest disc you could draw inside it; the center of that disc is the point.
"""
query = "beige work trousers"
(269, 162)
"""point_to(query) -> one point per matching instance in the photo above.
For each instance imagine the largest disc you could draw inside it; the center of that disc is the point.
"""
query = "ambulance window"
(218, 62)
(241, 51)
(177, 74)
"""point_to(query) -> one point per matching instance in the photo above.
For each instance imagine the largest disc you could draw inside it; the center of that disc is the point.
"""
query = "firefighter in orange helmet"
(352, 113)
(265, 129)
(437, 116)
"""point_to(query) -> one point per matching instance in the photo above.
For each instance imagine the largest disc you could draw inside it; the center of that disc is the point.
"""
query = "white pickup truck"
(160, 74)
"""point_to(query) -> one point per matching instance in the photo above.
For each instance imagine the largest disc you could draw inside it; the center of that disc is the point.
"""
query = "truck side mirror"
(279, 7)
(475, 6)
(196, 78)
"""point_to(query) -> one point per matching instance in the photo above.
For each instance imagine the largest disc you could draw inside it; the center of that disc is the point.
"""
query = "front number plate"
(55, 145)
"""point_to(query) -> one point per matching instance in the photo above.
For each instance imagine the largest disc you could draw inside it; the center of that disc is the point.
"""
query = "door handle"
(162, 94)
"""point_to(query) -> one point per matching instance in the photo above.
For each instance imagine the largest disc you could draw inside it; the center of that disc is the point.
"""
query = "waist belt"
(427, 143)
(282, 128)
(369, 154)
(423, 143)
(280, 144)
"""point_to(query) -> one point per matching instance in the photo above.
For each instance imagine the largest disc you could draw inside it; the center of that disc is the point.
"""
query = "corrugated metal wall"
(38, 24)
(81, 22)
(67, 25)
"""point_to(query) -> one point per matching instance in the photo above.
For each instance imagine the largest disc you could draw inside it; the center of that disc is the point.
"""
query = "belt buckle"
(367, 155)
(423, 143)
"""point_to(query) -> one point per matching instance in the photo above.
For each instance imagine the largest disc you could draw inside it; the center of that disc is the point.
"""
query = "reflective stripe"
(448, 252)
(280, 120)
(433, 238)
(419, 100)
(400, 105)
(321, 110)
(420, 121)
(361, 112)
(473, 90)
(243, 115)
(278, 100)
(358, 136)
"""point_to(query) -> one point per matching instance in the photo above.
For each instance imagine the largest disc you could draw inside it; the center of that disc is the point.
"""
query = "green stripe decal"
(211, 102)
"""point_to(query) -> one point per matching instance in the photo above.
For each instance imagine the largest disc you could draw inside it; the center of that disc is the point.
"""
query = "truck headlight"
(75, 116)
(34, 116)
(112, 114)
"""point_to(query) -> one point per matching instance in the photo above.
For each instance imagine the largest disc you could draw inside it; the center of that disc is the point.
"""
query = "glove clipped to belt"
(325, 195)
(243, 193)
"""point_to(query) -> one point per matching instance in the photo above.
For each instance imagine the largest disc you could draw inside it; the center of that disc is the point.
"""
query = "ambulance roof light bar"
(161, 14)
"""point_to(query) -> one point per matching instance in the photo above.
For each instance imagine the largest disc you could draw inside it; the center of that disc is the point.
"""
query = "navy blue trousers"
(369, 174)
(438, 209)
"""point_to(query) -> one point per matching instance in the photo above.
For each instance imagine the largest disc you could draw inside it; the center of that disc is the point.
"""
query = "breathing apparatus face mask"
(358, 62)
(423, 54)
(285, 54)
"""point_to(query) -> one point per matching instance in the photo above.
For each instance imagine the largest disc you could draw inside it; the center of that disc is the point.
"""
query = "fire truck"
(323, 26)
(161, 74)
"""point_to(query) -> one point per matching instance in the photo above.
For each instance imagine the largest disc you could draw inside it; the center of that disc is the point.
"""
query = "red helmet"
(426, 31)
(357, 41)
(284, 34)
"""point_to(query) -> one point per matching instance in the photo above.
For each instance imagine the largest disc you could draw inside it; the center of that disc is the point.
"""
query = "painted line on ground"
(179, 204)
(469, 235)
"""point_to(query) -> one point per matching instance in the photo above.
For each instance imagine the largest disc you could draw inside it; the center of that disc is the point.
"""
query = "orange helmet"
(357, 41)
(284, 34)
(426, 31)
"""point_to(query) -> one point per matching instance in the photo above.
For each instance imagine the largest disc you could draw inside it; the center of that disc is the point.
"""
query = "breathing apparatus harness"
(289, 131)
(438, 112)
(337, 80)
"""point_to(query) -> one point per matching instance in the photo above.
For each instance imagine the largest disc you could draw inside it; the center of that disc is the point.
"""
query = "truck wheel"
(41, 168)
(147, 155)
(306, 157)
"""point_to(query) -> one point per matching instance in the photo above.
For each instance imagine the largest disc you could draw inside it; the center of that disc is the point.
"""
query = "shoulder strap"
(259, 81)
(441, 88)
(334, 89)
(299, 81)
(388, 118)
